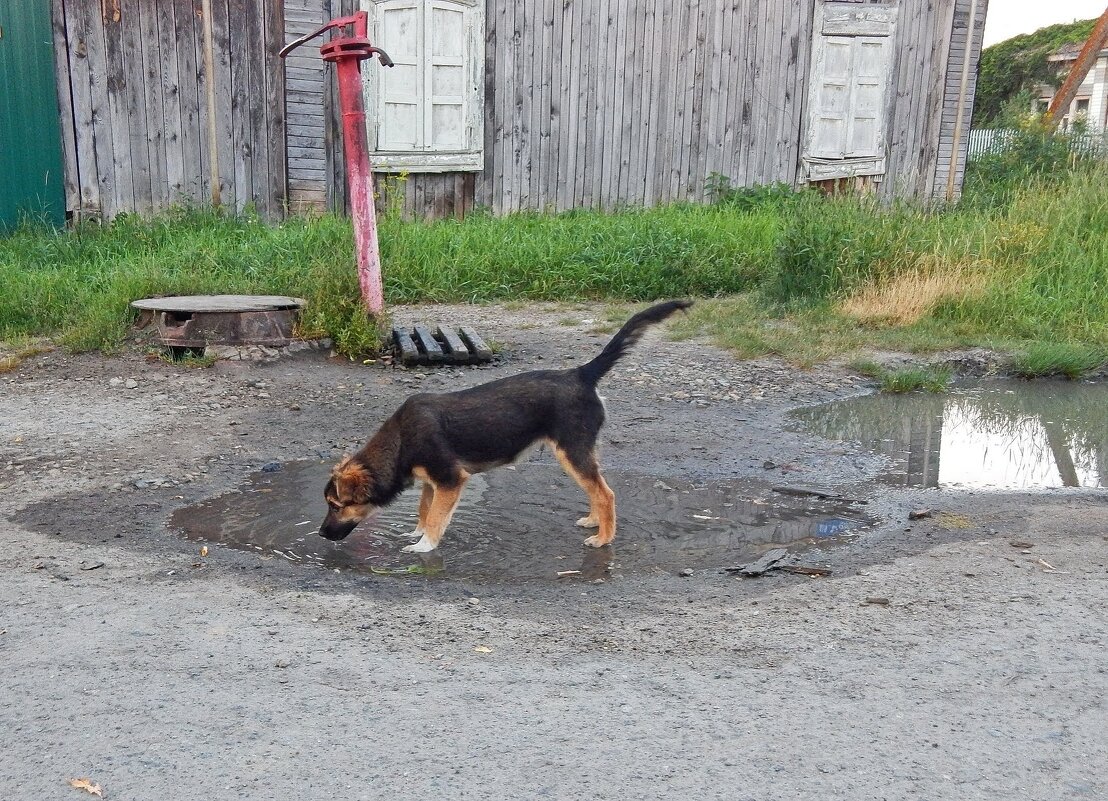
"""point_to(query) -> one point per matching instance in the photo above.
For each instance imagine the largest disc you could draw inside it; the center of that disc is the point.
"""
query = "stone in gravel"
(919, 514)
(271, 467)
(115, 383)
(130, 383)
(686, 572)
(877, 601)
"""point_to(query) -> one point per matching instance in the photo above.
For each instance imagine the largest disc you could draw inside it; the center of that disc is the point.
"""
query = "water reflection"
(1002, 435)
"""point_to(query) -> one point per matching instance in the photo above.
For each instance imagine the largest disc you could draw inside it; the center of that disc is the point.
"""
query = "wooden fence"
(131, 78)
(995, 141)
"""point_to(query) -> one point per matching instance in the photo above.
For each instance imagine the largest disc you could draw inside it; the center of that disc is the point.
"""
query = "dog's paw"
(417, 534)
(595, 542)
(588, 522)
(423, 546)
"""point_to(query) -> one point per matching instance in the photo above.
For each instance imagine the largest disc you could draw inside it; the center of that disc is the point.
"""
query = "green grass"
(774, 271)
(912, 379)
(906, 379)
(1044, 359)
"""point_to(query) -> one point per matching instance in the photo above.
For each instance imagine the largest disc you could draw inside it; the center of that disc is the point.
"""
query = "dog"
(443, 439)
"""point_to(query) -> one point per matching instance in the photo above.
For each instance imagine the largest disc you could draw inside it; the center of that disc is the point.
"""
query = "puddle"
(987, 435)
(519, 524)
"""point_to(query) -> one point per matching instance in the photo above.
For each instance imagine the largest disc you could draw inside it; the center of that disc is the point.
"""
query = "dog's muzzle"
(336, 531)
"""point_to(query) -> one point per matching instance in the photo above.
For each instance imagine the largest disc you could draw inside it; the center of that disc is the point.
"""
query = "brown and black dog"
(443, 439)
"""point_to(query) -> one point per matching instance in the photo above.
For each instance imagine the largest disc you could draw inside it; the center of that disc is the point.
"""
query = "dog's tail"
(627, 336)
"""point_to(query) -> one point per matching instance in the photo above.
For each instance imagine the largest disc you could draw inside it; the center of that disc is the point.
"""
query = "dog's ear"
(352, 481)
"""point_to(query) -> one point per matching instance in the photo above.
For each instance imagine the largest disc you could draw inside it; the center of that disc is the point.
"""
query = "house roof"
(1070, 52)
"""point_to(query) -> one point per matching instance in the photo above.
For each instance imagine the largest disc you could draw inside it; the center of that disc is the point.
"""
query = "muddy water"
(1001, 435)
(518, 523)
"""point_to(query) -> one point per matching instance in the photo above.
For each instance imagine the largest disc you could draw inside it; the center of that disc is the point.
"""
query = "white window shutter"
(446, 122)
(848, 94)
(426, 113)
(400, 88)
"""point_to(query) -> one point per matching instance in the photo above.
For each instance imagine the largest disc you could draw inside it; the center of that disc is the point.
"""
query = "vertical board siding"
(306, 85)
(639, 101)
(964, 44)
(131, 71)
(604, 103)
(588, 103)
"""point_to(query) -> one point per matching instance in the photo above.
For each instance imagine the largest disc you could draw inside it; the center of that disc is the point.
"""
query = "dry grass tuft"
(908, 297)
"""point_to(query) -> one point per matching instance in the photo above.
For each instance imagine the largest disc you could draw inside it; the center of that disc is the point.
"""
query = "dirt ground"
(128, 658)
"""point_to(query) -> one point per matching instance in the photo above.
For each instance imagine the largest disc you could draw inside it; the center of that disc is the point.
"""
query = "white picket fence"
(993, 141)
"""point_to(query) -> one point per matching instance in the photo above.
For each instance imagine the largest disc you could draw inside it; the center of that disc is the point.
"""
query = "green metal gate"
(30, 129)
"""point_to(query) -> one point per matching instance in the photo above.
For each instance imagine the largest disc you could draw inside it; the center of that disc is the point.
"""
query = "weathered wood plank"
(580, 113)
(107, 80)
(63, 80)
(165, 70)
(150, 61)
(600, 138)
(135, 105)
(568, 121)
(189, 99)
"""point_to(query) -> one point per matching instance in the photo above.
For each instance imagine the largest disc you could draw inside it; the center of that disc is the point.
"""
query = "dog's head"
(347, 496)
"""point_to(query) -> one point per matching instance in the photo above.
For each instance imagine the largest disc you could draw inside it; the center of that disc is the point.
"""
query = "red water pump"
(348, 53)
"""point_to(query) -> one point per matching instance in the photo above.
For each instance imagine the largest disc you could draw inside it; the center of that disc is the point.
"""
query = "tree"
(1016, 65)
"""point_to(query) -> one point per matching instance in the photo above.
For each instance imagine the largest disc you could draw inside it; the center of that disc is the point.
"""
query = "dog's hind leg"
(424, 507)
(444, 500)
(582, 465)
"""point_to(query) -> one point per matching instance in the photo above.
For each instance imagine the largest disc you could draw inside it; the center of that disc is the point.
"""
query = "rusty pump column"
(347, 53)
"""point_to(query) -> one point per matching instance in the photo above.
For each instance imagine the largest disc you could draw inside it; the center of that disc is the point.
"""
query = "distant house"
(508, 104)
(1090, 104)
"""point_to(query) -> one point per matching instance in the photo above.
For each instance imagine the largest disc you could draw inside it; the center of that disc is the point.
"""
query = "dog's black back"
(491, 424)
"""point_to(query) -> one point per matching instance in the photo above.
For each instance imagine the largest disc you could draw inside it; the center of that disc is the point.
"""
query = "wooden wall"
(588, 103)
(962, 46)
(603, 103)
(131, 80)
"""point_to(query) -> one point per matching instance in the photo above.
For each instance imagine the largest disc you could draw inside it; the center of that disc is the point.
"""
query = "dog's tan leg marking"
(602, 501)
(443, 503)
(424, 507)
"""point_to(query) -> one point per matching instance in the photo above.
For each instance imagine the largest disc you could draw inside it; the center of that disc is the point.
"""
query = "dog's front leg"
(444, 501)
(424, 508)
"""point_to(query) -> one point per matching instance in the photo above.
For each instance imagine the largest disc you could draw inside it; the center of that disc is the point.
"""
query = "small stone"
(919, 514)
(130, 383)
(295, 407)
(769, 465)
(474, 601)
(686, 572)
(115, 383)
(877, 601)
(281, 663)
(271, 467)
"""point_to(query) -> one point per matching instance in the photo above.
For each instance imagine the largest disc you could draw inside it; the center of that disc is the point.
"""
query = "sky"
(1008, 18)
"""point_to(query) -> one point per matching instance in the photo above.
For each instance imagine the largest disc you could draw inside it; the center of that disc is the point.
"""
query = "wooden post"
(1085, 61)
(209, 70)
